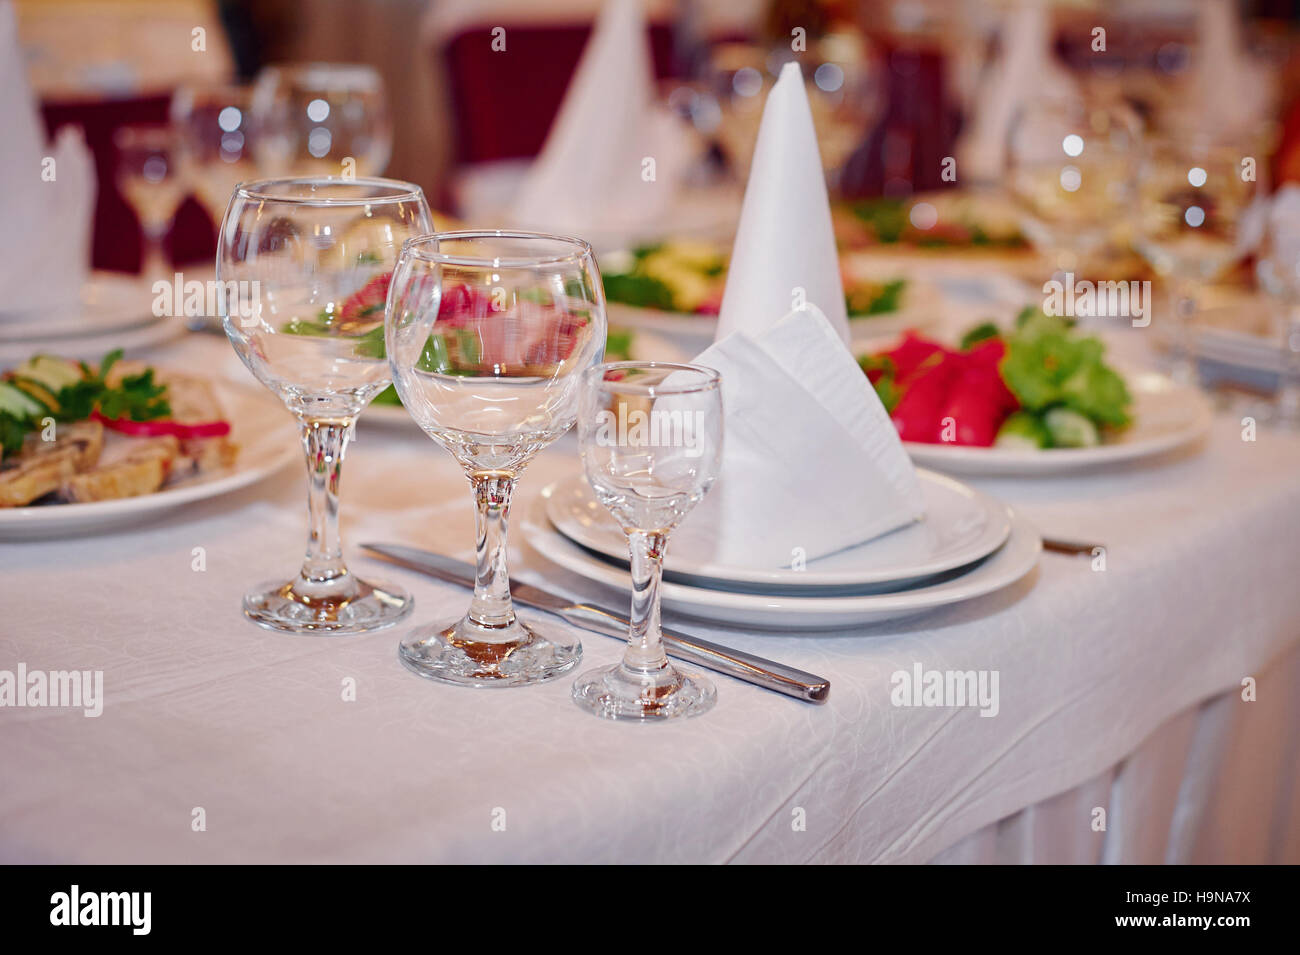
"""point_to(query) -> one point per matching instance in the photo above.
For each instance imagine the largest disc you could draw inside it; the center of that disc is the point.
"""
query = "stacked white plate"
(968, 545)
(114, 311)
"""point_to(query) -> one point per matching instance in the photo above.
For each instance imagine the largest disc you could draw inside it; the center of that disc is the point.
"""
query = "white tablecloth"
(1097, 670)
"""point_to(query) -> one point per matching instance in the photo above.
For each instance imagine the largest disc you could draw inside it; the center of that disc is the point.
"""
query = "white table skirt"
(1104, 678)
(1218, 783)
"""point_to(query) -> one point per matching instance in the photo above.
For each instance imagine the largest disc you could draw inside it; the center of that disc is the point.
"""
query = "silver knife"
(743, 666)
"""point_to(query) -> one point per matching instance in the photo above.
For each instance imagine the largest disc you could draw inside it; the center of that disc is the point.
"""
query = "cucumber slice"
(18, 403)
(52, 373)
(1069, 429)
(1023, 431)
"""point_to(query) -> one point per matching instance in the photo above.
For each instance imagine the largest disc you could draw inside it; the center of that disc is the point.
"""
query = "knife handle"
(743, 666)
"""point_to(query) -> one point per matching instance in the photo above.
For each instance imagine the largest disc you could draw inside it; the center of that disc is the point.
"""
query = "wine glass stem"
(154, 264)
(645, 650)
(491, 605)
(1184, 297)
(1288, 395)
(324, 442)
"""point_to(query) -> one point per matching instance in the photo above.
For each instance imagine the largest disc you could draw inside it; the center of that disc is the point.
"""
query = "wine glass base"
(298, 606)
(468, 654)
(621, 693)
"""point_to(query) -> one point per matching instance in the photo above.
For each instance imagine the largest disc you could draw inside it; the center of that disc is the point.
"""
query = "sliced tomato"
(155, 429)
(912, 352)
(976, 415)
(917, 414)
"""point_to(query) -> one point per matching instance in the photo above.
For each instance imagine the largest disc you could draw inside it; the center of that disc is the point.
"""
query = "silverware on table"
(1070, 547)
(737, 663)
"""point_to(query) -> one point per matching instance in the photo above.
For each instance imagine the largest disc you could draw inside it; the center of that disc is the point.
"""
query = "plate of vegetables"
(1038, 398)
(676, 287)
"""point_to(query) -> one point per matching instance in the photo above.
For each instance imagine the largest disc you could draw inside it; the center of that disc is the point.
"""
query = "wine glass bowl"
(488, 334)
(304, 267)
(651, 440)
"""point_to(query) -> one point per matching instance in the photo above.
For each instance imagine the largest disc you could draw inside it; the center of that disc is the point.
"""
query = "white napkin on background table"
(1232, 93)
(588, 179)
(811, 463)
(1024, 70)
(784, 240)
(45, 242)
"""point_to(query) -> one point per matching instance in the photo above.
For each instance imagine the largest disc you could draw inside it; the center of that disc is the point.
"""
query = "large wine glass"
(305, 266)
(488, 334)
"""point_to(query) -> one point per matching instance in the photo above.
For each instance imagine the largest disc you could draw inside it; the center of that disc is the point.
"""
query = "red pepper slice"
(155, 429)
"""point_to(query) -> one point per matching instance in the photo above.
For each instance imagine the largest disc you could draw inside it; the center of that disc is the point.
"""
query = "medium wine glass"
(651, 439)
(149, 180)
(214, 133)
(488, 334)
(304, 267)
(1193, 193)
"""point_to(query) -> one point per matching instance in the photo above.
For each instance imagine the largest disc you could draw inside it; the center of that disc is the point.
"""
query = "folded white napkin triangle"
(613, 158)
(47, 204)
(811, 463)
(784, 253)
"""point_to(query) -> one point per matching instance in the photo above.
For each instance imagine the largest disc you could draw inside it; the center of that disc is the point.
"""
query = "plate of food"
(86, 448)
(947, 222)
(1037, 398)
(675, 288)
(621, 344)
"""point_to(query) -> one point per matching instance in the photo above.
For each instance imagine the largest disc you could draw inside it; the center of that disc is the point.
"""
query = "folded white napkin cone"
(811, 463)
(594, 176)
(784, 253)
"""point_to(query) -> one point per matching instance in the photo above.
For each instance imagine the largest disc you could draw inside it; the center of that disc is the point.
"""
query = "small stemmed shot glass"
(651, 439)
(488, 334)
(304, 267)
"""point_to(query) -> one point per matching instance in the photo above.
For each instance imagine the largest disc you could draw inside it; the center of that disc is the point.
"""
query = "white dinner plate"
(91, 348)
(1016, 558)
(109, 302)
(646, 346)
(268, 441)
(961, 525)
(1166, 416)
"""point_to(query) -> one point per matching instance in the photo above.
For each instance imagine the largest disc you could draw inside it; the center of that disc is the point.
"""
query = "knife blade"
(713, 656)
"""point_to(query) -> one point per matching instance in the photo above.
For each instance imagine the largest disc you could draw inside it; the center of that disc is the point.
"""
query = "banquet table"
(1121, 689)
